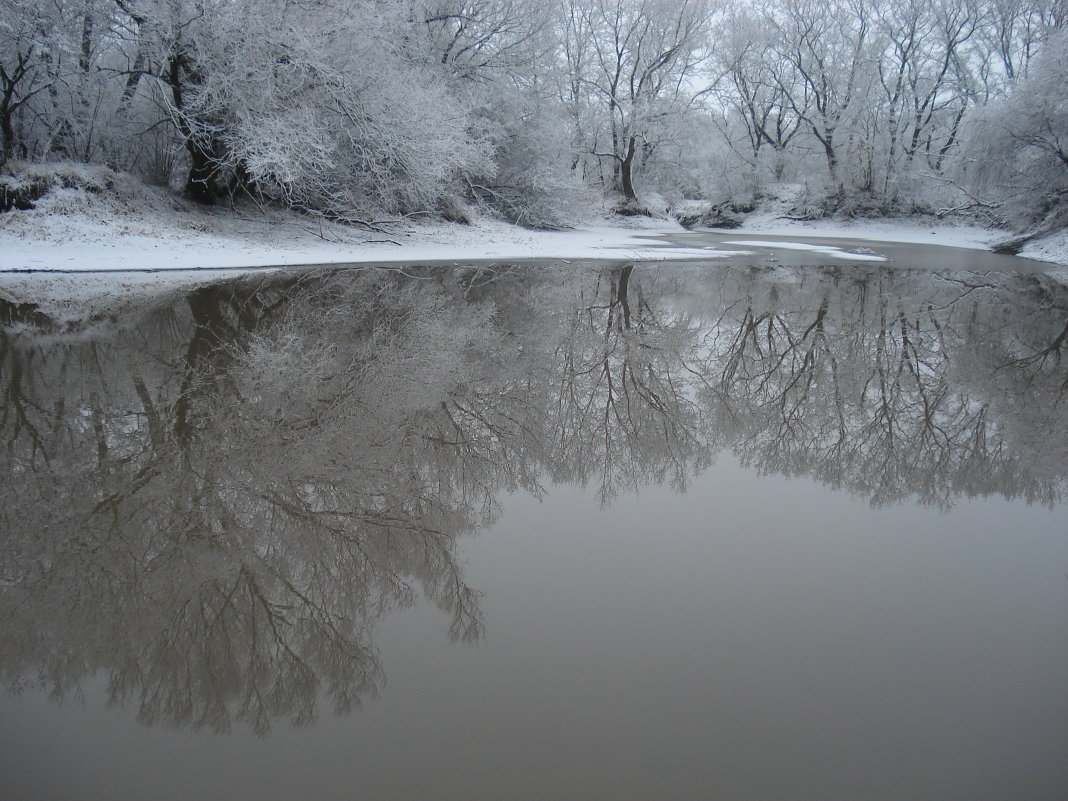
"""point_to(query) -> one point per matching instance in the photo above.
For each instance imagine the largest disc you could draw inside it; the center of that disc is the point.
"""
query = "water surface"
(622, 532)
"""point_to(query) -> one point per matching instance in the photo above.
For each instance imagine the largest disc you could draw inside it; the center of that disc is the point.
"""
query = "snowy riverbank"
(1052, 248)
(132, 227)
(92, 238)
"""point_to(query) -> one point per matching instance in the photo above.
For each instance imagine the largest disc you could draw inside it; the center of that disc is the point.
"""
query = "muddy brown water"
(599, 531)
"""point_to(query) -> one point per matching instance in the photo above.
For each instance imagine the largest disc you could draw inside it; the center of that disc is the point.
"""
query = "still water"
(605, 532)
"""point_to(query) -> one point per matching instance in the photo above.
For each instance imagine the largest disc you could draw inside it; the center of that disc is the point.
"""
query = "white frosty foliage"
(1020, 142)
(365, 111)
(316, 108)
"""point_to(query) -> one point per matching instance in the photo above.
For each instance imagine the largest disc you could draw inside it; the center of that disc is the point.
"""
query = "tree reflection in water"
(213, 504)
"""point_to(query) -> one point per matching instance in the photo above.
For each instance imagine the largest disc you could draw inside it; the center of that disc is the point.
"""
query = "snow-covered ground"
(1052, 248)
(780, 199)
(132, 227)
(86, 237)
(79, 245)
(139, 228)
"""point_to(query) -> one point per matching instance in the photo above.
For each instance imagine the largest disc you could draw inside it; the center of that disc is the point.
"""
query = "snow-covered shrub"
(816, 203)
(64, 187)
(531, 182)
(20, 192)
(1018, 146)
(312, 107)
(69, 198)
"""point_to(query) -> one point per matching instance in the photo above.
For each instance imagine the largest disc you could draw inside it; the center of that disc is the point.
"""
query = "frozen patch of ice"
(946, 234)
(825, 250)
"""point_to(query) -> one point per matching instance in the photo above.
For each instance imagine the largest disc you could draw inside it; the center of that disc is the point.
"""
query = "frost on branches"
(372, 111)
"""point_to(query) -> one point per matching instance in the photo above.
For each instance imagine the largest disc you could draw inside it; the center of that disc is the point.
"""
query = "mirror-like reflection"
(212, 502)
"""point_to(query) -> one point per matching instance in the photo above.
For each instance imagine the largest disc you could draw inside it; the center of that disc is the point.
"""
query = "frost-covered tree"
(479, 40)
(1010, 34)
(825, 46)
(497, 59)
(924, 84)
(366, 111)
(320, 110)
(310, 104)
(629, 63)
(1019, 144)
(880, 90)
(21, 71)
(48, 92)
(758, 113)
(530, 181)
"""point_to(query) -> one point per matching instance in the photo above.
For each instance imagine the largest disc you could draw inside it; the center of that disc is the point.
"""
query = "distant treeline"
(365, 110)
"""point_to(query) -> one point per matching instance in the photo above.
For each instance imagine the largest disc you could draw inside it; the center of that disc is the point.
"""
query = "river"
(733, 530)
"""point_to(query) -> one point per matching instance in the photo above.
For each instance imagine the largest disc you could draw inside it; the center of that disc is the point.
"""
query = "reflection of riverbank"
(818, 339)
(73, 298)
(240, 480)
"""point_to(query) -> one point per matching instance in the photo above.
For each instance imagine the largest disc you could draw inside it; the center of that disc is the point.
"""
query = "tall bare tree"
(629, 64)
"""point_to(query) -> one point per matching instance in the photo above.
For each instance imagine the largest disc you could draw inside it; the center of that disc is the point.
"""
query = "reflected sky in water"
(744, 532)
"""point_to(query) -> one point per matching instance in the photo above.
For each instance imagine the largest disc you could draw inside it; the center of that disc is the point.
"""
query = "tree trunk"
(200, 183)
(832, 161)
(7, 133)
(626, 167)
(8, 104)
(85, 62)
(132, 80)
